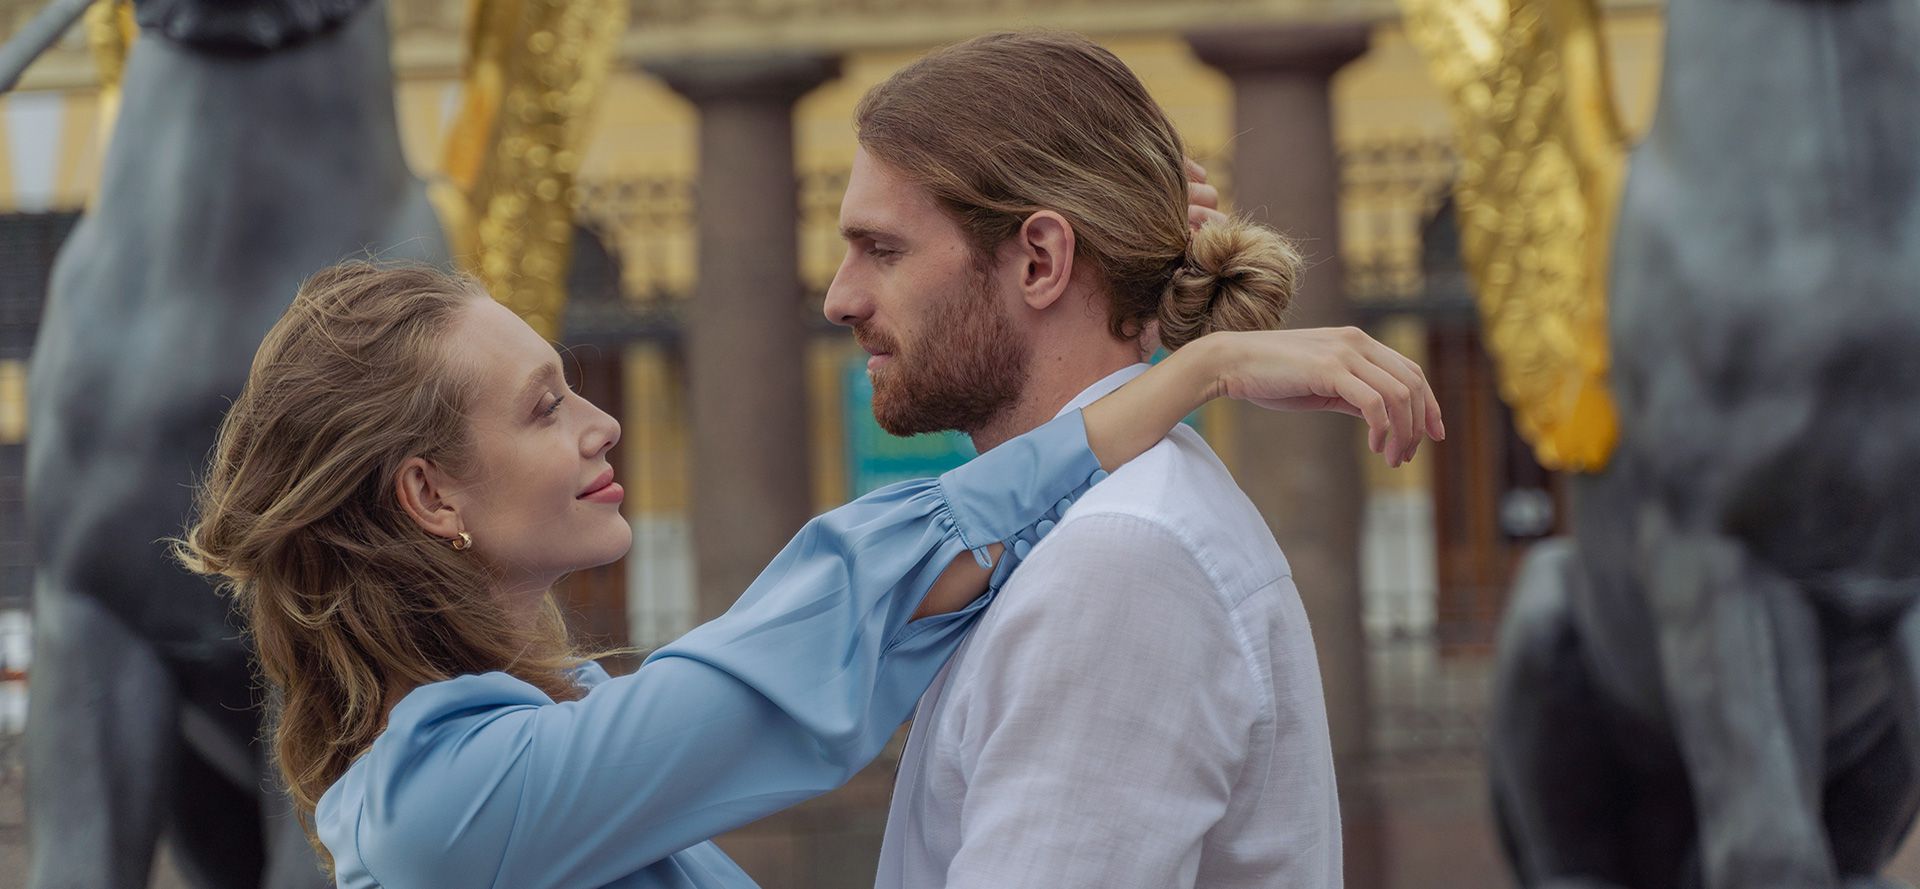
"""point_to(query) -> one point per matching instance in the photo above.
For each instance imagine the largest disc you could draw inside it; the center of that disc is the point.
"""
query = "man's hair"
(1006, 125)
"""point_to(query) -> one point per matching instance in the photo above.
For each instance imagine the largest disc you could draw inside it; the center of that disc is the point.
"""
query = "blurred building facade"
(1315, 116)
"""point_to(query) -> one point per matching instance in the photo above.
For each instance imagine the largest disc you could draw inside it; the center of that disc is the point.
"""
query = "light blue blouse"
(483, 781)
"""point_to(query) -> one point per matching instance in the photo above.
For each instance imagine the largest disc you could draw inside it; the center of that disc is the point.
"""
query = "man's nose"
(845, 304)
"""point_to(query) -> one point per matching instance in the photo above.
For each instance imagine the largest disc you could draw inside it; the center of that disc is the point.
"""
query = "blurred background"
(1439, 539)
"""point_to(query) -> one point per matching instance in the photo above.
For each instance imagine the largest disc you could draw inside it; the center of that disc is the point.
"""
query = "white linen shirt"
(1141, 708)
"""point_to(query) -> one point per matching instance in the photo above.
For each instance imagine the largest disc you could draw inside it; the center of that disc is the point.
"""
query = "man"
(1142, 707)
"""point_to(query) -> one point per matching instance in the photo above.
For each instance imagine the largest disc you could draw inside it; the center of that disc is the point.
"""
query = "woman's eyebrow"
(544, 374)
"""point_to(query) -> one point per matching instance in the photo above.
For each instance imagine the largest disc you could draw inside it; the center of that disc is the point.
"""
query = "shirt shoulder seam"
(1216, 578)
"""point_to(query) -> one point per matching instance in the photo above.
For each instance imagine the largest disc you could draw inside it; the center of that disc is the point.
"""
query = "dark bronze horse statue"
(256, 143)
(1716, 681)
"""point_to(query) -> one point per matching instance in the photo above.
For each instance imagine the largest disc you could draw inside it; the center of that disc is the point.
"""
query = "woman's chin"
(616, 548)
(605, 548)
(621, 553)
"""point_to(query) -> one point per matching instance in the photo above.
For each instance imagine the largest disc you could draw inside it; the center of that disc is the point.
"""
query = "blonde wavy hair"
(347, 601)
(1002, 126)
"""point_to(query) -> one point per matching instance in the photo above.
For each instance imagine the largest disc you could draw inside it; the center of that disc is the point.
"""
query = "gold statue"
(110, 35)
(1542, 160)
(533, 70)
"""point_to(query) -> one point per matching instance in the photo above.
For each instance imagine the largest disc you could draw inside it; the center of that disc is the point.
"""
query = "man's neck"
(1054, 381)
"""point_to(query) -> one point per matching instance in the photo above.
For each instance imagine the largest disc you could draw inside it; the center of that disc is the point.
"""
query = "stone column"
(746, 332)
(1303, 471)
(746, 337)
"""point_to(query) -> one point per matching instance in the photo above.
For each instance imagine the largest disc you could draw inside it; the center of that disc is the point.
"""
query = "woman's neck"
(524, 599)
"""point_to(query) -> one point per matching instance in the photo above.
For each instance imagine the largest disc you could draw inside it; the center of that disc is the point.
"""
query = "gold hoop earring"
(464, 543)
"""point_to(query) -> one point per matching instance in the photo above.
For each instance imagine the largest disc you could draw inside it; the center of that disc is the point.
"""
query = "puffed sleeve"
(482, 780)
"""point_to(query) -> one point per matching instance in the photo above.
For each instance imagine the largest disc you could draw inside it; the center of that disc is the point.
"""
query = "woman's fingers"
(1419, 394)
(1201, 194)
(1397, 399)
(1371, 405)
(1416, 400)
(1348, 371)
(1198, 216)
(1436, 425)
(1427, 420)
(1203, 200)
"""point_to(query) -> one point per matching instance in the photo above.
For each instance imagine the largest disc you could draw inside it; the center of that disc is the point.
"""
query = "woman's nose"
(602, 434)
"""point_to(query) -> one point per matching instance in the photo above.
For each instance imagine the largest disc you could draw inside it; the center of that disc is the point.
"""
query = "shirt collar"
(1106, 385)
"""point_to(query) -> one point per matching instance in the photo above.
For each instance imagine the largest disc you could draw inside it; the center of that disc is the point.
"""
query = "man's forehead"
(881, 200)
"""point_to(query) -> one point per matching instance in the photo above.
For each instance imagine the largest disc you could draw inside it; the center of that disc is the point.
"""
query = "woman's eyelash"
(554, 406)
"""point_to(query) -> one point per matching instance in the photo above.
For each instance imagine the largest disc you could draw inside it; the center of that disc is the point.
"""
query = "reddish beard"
(969, 365)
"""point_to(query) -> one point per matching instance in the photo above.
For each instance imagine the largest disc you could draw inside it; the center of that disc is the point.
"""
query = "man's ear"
(1045, 242)
(421, 488)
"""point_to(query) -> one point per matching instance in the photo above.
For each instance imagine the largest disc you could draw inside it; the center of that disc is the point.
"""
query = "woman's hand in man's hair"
(1203, 200)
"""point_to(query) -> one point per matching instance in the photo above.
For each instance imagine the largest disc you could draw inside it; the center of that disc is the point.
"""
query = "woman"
(406, 476)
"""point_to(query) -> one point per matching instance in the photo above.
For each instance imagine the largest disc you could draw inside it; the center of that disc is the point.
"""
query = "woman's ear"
(1046, 248)
(421, 488)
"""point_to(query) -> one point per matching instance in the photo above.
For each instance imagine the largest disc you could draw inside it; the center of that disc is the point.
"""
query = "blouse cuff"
(1032, 478)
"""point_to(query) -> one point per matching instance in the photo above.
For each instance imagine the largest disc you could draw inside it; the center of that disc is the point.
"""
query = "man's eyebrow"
(866, 232)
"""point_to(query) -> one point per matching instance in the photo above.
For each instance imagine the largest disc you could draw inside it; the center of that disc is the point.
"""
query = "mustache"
(875, 341)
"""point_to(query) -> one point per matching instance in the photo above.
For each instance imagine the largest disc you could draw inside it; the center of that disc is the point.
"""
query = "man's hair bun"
(1237, 275)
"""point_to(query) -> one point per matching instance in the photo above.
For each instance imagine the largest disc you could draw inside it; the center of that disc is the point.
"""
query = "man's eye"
(882, 253)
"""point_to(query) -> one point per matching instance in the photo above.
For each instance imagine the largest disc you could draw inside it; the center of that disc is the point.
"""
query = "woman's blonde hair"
(347, 600)
(1006, 125)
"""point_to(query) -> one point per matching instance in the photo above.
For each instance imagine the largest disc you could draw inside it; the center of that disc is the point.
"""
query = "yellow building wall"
(644, 131)
(8, 197)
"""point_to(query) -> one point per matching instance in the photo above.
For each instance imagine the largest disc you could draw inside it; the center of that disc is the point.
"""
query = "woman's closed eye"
(557, 399)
